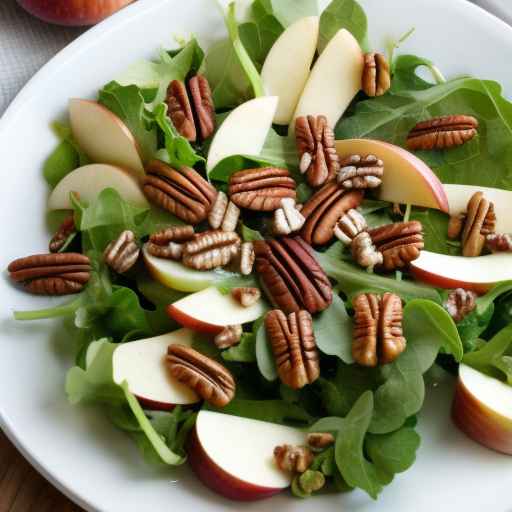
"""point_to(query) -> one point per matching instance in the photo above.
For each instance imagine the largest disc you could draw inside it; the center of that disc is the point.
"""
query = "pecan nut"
(180, 111)
(377, 336)
(246, 296)
(184, 193)
(294, 347)
(499, 242)
(224, 213)
(376, 75)
(315, 144)
(208, 378)
(52, 274)
(228, 337)
(261, 189)
(245, 261)
(361, 172)
(121, 254)
(61, 237)
(211, 249)
(293, 459)
(168, 243)
(460, 303)
(202, 101)
(324, 209)
(400, 243)
(365, 253)
(320, 440)
(442, 132)
(349, 226)
(292, 278)
(288, 218)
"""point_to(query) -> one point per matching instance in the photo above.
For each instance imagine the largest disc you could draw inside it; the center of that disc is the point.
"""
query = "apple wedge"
(477, 274)
(88, 181)
(482, 409)
(334, 80)
(244, 130)
(233, 456)
(141, 364)
(407, 179)
(286, 77)
(209, 311)
(103, 136)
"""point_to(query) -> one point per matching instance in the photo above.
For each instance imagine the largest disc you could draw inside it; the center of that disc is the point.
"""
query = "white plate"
(76, 448)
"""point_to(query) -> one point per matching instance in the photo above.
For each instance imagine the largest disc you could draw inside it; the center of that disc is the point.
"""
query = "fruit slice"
(482, 409)
(233, 456)
(176, 276)
(244, 130)
(103, 136)
(477, 274)
(407, 179)
(334, 80)
(286, 77)
(88, 181)
(459, 195)
(141, 364)
(209, 311)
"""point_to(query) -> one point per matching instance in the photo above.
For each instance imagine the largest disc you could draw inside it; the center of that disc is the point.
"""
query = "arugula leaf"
(285, 12)
(244, 352)
(435, 231)
(404, 73)
(258, 37)
(264, 357)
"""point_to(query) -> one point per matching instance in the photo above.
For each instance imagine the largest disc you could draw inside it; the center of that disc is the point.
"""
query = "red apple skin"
(193, 323)
(218, 480)
(153, 405)
(479, 422)
(445, 282)
(73, 12)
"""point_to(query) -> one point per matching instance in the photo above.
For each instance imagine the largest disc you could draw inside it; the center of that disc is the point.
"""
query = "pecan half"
(480, 221)
(400, 243)
(229, 336)
(460, 303)
(184, 193)
(361, 172)
(202, 100)
(224, 213)
(317, 152)
(121, 254)
(51, 274)
(349, 226)
(261, 189)
(168, 243)
(292, 278)
(294, 459)
(246, 296)
(376, 76)
(66, 229)
(377, 336)
(288, 218)
(320, 440)
(324, 209)
(365, 253)
(499, 242)
(211, 249)
(247, 258)
(180, 111)
(442, 132)
(208, 378)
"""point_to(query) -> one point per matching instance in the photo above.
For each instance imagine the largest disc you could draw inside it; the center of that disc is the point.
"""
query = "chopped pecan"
(460, 303)
(261, 189)
(184, 193)
(288, 218)
(365, 253)
(294, 459)
(229, 336)
(66, 229)
(324, 209)
(349, 226)
(246, 296)
(376, 76)
(208, 378)
(180, 111)
(361, 172)
(211, 249)
(378, 336)
(292, 278)
(224, 213)
(121, 254)
(247, 258)
(400, 243)
(168, 243)
(320, 440)
(202, 100)
(499, 242)
(442, 132)
(51, 274)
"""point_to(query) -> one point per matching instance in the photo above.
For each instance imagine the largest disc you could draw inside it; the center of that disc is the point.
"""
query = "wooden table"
(23, 489)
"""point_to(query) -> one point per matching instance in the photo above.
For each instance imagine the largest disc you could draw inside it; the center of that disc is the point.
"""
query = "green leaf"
(484, 301)
(231, 164)
(285, 12)
(244, 352)
(264, 356)
(405, 73)
(435, 231)
(250, 235)
(473, 325)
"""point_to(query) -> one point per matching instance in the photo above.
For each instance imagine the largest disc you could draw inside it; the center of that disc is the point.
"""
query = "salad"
(272, 247)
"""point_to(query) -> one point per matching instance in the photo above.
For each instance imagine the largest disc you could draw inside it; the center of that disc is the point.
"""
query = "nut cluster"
(211, 249)
(460, 303)
(293, 459)
(288, 218)
(246, 296)
(168, 243)
(361, 172)
(224, 214)
(122, 254)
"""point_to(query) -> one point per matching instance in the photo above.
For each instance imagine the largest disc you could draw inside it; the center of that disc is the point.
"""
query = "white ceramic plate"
(76, 448)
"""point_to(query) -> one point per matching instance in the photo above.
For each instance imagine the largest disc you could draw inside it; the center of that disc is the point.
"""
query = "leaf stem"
(41, 314)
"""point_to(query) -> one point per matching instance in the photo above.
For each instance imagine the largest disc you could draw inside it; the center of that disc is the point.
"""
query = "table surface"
(26, 44)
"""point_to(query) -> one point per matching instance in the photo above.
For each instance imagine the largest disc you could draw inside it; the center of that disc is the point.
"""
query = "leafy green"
(231, 164)
(404, 73)
(473, 325)
(250, 235)
(435, 231)
(284, 12)
(264, 356)
(244, 352)
(484, 301)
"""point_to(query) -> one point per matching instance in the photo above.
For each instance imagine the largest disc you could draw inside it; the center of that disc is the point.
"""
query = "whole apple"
(73, 12)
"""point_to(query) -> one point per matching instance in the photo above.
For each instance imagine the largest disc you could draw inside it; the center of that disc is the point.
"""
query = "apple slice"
(407, 179)
(482, 409)
(334, 80)
(477, 274)
(141, 364)
(88, 181)
(286, 77)
(244, 130)
(209, 311)
(459, 195)
(175, 275)
(233, 456)
(103, 136)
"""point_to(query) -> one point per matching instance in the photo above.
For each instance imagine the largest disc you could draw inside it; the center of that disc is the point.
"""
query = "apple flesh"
(244, 130)
(209, 311)
(142, 365)
(88, 181)
(407, 179)
(103, 136)
(233, 456)
(482, 409)
(286, 77)
(76, 13)
(334, 80)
